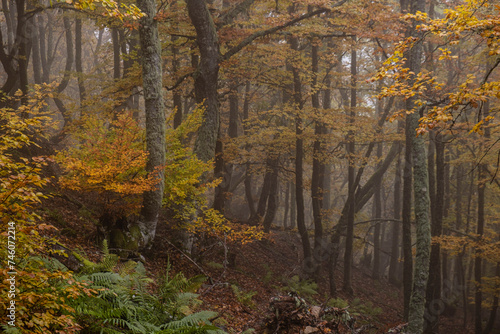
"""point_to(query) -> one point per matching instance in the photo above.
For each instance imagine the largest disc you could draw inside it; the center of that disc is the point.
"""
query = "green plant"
(245, 298)
(304, 288)
(249, 331)
(338, 303)
(125, 304)
(215, 265)
(365, 308)
(38, 293)
(357, 307)
(56, 216)
(268, 277)
(183, 191)
(196, 323)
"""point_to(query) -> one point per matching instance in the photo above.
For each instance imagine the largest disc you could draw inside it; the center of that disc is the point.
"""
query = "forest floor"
(241, 291)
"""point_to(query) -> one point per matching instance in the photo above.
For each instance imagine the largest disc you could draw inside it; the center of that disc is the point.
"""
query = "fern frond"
(192, 320)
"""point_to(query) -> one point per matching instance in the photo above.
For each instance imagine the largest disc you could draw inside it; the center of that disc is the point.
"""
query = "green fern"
(245, 298)
(304, 288)
(125, 305)
(10, 330)
(194, 323)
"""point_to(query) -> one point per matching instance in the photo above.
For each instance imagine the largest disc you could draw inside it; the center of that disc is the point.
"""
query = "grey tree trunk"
(219, 173)
(116, 53)
(478, 263)
(37, 65)
(155, 119)
(222, 169)
(434, 285)
(287, 205)
(377, 214)
(349, 240)
(265, 192)
(78, 59)
(318, 171)
(293, 207)
(24, 47)
(272, 200)
(248, 174)
(206, 78)
(406, 217)
(299, 157)
(327, 104)
(423, 231)
(494, 307)
(421, 196)
(67, 69)
(394, 274)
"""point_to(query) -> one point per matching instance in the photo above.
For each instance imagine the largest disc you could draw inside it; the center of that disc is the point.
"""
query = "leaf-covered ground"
(241, 291)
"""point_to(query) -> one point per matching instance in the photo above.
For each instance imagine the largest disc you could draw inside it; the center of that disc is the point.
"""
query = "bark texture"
(420, 192)
(206, 78)
(155, 118)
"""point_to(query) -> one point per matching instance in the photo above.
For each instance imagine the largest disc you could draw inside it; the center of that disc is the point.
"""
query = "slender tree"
(348, 255)
(318, 167)
(155, 118)
(299, 155)
(421, 194)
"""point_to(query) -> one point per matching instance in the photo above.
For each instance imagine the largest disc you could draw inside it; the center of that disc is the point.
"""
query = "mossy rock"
(125, 243)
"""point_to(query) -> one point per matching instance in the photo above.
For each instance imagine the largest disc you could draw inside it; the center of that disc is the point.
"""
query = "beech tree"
(269, 104)
(155, 118)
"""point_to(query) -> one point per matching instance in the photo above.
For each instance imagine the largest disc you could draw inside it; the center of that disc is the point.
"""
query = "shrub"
(40, 295)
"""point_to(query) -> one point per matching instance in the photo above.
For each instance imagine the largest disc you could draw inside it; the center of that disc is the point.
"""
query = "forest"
(249, 166)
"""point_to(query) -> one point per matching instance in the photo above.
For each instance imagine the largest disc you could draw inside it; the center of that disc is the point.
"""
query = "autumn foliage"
(40, 293)
(109, 160)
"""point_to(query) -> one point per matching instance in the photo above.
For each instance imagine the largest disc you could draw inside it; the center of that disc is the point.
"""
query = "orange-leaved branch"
(38, 292)
(109, 160)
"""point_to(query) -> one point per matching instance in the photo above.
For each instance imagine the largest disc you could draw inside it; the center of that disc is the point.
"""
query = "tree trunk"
(67, 69)
(177, 96)
(155, 118)
(272, 200)
(406, 215)
(24, 47)
(248, 174)
(78, 59)
(299, 157)
(287, 205)
(377, 206)
(394, 277)
(219, 193)
(423, 235)
(293, 207)
(46, 47)
(98, 49)
(9, 14)
(348, 255)
(362, 196)
(318, 170)
(225, 170)
(478, 261)
(116, 53)
(206, 78)
(421, 195)
(433, 294)
(494, 306)
(37, 65)
(377, 214)
(264, 194)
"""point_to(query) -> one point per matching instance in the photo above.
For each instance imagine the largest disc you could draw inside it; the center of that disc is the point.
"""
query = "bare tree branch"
(270, 31)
